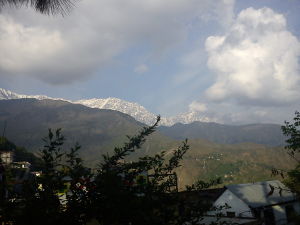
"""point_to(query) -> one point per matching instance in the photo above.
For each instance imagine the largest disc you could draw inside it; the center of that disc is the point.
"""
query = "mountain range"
(26, 122)
(217, 150)
(188, 125)
(135, 110)
(266, 134)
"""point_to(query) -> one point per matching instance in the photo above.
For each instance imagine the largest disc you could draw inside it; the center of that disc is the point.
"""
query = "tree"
(42, 6)
(117, 193)
(292, 177)
(292, 131)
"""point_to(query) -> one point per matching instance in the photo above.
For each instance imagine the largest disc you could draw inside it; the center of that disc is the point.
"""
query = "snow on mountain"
(135, 110)
(186, 118)
(6, 95)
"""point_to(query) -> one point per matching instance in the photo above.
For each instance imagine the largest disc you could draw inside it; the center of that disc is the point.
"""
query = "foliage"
(292, 177)
(99, 131)
(6, 145)
(42, 6)
(292, 130)
(117, 193)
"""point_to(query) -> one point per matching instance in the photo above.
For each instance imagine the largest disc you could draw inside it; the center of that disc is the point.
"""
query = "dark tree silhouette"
(42, 6)
(292, 131)
(115, 194)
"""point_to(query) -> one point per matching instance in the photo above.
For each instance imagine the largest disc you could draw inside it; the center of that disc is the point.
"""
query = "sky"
(231, 61)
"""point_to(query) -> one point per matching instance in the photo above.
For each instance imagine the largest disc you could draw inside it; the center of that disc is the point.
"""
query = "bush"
(119, 192)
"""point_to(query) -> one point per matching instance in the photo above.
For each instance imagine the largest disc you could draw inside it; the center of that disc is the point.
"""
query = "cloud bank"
(256, 62)
(63, 50)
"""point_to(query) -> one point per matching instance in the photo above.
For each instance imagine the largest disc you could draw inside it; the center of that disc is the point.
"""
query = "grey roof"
(259, 194)
(207, 194)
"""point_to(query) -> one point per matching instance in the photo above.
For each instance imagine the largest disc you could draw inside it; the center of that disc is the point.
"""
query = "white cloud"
(140, 69)
(25, 47)
(256, 62)
(222, 13)
(62, 50)
(196, 106)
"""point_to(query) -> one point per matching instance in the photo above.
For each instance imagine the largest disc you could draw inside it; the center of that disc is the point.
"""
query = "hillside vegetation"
(267, 134)
(99, 131)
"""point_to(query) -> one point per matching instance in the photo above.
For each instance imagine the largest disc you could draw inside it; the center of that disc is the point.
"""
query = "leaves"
(119, 192)
(292, 131)
(43, 6)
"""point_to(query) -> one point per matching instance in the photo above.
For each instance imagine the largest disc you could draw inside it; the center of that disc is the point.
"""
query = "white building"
(269, 202)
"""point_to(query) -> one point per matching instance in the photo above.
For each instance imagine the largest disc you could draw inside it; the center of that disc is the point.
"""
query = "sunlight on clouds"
(256, 62)
(196, 106)
(24, 47)
(213, 42)
(93, 34)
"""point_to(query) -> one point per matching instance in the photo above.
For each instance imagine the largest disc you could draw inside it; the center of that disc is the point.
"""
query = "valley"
(243, 159)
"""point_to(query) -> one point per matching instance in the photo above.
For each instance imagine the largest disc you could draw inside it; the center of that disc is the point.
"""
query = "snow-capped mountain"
(186, 118)
(135, 110)
(6, 95)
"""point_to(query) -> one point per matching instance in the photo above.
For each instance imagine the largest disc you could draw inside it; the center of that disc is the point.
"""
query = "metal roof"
(260, 194)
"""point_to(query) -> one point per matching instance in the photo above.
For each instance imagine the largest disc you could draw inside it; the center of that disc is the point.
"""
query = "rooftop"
(262, 193)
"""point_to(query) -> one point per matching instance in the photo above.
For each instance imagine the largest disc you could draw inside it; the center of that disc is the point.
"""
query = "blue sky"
(232, 61)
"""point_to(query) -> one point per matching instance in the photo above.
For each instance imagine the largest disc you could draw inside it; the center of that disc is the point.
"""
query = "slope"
(97, 131)
(267, 134)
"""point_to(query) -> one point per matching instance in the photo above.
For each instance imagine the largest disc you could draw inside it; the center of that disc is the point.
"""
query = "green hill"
(267, 134)
(99, 131)
(234, 163)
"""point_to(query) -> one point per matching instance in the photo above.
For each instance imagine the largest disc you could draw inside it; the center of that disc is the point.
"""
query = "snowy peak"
(135, 110)
(186, 118)
(6, 95)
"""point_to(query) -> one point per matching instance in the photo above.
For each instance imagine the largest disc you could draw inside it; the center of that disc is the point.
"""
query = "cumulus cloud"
(62, 50)
(256, 62)
(196, 106)
(140, 69)
(26, 42)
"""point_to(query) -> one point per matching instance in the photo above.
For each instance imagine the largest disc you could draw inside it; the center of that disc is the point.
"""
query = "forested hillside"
(26, 122)
(267, 134)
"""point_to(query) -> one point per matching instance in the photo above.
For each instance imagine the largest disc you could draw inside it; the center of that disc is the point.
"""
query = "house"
(269, 203)
(21, 165)
(6, 156)
(6, 150)
(207, 199)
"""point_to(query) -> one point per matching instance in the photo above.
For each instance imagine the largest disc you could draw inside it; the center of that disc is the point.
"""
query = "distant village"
(21, 169)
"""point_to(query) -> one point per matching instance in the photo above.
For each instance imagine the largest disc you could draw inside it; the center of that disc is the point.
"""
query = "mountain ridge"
(133, 109)
(98, 131)
(181, 126)
(266, 134)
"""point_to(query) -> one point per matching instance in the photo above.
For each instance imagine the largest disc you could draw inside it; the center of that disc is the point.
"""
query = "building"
(6, 156)
(6, 150)
(21, 165)
(269, 203)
